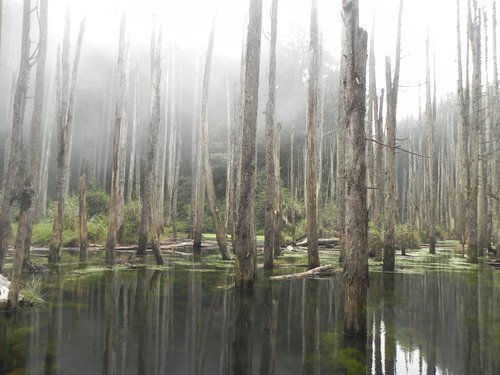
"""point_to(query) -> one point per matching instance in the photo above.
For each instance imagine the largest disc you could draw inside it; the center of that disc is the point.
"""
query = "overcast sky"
(187, 22)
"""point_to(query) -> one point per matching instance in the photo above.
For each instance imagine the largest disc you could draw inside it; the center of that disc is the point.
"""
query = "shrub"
(406, 236)
(132, 221)
(375, 241)
(42, 233)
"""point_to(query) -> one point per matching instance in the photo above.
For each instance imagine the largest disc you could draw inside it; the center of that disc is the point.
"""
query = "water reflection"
(191, 321)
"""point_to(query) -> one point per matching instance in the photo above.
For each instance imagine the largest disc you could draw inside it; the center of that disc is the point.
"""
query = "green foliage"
(329, 218)
(97, 202)
(71, 210)
(375, 240)
(407, 236)
(132, 221)
(31, 292)
(42, 233)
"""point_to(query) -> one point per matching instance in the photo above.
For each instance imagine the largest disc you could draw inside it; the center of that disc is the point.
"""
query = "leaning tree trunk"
(312, 125)
(32, 179)
(245, 224)
(220, 232)
(64, 125)
(356, 220)
(392, 86)
(270, 213)
(16, 136)
(115, 207)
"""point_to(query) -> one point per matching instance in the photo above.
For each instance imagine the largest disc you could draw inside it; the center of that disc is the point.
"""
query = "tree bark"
(270, 210)
(115, 207)
(474, 31)
(312, 125)
(245, 226)
(356, 220)
(26, 218)
(66, 102)
(220, 232)
(16, 138)
(392, 86)
(83, 220)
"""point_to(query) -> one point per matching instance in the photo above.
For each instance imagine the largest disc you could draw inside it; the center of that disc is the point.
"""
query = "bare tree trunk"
(464, 136)
(312, 125)
(356, 224)
(15, 152)
(65, 124)
(431, 162)
(270, 220)
(83, 220)
(278, 217)
(292, 185)
(229, 160)
(220, 232)
(474, 31)
(148, 217)
(115, 206)
(32, 178)
(133, 143)
(496, 136)
(245, 224)
(176, 182)
(392, 86)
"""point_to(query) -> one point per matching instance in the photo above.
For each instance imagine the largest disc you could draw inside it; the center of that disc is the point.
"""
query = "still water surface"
(189, 320)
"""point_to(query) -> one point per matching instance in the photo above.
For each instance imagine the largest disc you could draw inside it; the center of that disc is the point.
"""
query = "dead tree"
(67, 94)
(19, 107)
(245, 223)
(356, 219)
(115, 206)
(82, 215)
(474, 34)
(392, 86)
(312, 127)
(32, 178)
(148, 216)
(270, 213)
(431, 161)
(220, 232)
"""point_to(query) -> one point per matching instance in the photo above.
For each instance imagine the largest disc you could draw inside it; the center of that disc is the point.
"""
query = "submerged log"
(315, 272)
(495, 263)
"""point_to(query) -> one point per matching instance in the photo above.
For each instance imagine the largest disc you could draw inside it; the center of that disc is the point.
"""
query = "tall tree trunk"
(464, 136)
(278, 218)
(245, 225)
(474, 31)
(115, 207)
(356, 220)
(312, 125)
(64, 124)
(32, 178)
(496, 136)
(270, 219)
(148, 216)
(431, 162)
(16, 144)
(392, 87)
(130, 194)
(83, 220)
(220, 232)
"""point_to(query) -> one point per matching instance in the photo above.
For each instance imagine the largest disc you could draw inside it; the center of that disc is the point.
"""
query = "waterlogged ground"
(435, 315)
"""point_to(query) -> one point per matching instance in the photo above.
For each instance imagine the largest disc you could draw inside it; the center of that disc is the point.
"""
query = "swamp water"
(187, 319)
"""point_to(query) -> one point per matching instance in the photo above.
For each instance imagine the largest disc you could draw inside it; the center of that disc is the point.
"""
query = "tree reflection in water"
(190, 320)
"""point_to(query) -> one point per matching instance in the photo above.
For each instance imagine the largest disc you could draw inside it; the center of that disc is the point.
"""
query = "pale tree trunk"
(278, 218)
(45, 156)
(149, 216)
(356, 220)
(496, 137)
(270, 217)
(312, 125)
(8, 135)
(292, 185)
(392, 86)
(32, 179)
(474, 31)
(245, 224)
(83, 220)
(133, 144)
(64, 125)
(431, 161)
(229, 159)
(15, 155)
(207, 168)
(178, 144)
(115, 206)
(464, 136)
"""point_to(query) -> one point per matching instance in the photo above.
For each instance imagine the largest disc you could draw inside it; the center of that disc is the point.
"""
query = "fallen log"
(494, 263)
(315, 272)
(321, 242)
